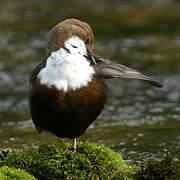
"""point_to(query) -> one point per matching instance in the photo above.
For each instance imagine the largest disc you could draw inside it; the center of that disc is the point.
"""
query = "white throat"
(67, 70)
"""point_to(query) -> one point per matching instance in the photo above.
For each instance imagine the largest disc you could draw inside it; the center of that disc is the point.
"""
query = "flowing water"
(139, 121)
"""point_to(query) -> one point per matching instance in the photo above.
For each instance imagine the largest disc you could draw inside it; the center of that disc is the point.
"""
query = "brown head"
(67, 29)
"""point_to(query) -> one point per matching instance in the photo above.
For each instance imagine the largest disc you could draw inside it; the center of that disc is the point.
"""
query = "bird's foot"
(73, 151)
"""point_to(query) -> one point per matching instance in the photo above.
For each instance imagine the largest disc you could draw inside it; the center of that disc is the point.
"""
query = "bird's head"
(74, 36)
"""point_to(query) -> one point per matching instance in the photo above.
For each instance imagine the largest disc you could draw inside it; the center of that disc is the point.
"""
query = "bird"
(67, 89)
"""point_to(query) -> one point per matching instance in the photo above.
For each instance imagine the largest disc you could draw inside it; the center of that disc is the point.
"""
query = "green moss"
(7, 173)
(91, 162)
(57, 162)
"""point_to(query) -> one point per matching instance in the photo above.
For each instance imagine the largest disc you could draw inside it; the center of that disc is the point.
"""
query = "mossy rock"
(7, 173)
(57, 162)
(161, 170)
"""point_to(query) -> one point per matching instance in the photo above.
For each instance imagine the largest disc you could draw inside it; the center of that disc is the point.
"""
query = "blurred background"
(139, 121)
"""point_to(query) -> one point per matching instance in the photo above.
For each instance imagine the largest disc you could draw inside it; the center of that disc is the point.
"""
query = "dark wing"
(108, 69)
(32, 79)
(37, 70)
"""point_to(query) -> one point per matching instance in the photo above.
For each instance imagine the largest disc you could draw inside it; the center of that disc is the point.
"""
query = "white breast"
(66, 70)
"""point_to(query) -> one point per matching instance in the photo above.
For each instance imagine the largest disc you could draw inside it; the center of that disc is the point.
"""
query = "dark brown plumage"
(69, 114)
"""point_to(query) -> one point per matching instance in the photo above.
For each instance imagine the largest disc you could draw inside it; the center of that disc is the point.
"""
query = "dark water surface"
(140, 121)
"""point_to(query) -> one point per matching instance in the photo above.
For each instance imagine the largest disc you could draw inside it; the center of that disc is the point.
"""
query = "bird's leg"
(74, 146)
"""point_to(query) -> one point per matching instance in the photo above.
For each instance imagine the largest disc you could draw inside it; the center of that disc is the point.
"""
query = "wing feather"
(108, 69)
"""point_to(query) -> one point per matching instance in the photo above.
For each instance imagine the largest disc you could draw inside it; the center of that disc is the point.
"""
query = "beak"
(90, 59)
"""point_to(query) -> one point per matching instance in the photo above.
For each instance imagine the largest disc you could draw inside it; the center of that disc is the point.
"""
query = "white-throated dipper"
(66, 90)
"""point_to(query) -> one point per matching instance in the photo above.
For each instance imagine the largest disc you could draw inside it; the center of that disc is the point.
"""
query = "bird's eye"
(88, 41)
(74, 46)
